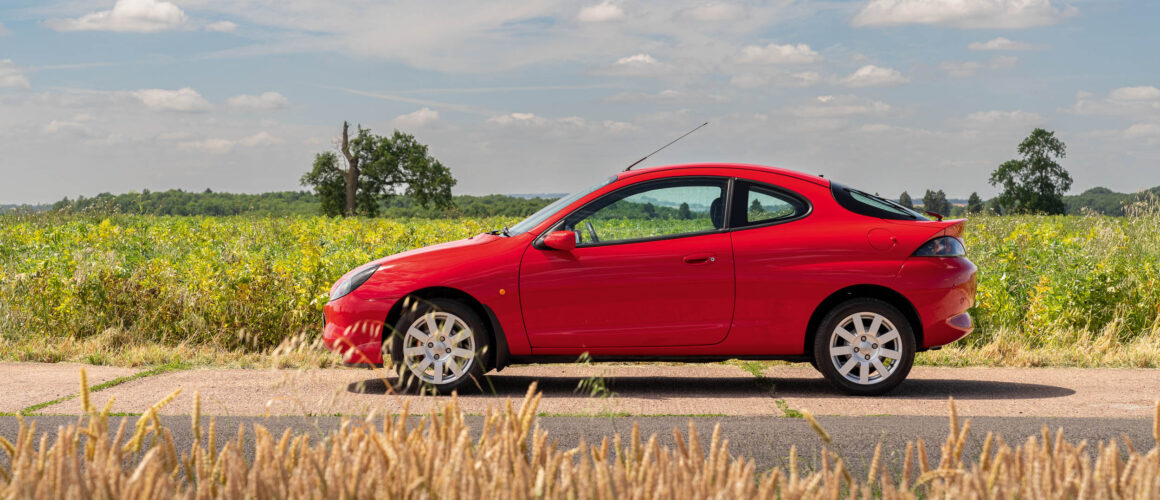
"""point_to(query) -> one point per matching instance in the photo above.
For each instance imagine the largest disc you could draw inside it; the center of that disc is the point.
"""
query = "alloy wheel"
(439, 348)
(866, 348)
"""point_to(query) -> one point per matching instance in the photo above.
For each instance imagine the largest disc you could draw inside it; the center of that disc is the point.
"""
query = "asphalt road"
(636, 389)
(765, 439)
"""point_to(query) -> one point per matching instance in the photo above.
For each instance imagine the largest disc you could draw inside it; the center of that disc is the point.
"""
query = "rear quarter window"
(861, 202)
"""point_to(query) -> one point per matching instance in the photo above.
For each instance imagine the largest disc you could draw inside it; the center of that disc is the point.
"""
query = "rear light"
(944, 246)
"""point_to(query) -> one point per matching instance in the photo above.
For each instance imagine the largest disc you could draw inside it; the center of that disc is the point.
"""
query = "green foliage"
(1102, 200)
(974, 204)
(1059, 281)
(328, 181)
(229, 282)
(936, 201)
(246, 283)
(388, 166)
(178, 202)
(1034, 183)
(904, 200)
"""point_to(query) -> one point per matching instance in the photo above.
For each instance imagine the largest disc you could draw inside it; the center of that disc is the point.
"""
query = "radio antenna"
(637, 162)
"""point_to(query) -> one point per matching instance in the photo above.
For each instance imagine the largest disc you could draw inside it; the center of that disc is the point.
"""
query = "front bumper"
(355, 329)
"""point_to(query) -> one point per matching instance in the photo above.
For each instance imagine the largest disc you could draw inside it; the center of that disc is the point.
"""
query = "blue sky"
(544, 96)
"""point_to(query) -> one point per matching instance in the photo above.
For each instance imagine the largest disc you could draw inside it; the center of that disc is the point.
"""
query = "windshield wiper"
(501, 232)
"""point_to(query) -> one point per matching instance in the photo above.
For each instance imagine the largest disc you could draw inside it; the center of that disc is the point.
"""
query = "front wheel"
(864, 347)
(439, 345)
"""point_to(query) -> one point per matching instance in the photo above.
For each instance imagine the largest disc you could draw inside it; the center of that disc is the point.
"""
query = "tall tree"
(974, 204)
(944, 203)
(936, 201)
(1034, 183)
(329, 182)
(377, 167)
(904, 200)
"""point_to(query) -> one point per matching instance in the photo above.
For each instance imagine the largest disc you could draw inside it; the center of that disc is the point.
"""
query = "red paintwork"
(741, 292)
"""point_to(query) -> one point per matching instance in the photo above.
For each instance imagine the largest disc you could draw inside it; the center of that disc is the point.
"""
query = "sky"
(544, 96)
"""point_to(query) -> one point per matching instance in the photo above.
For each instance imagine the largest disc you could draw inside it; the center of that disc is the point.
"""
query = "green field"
(137, 290)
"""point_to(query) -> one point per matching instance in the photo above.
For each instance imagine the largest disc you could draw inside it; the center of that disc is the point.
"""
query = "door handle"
(701, 258)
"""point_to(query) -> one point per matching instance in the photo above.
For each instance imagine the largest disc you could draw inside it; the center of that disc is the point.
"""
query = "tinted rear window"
(861, 202)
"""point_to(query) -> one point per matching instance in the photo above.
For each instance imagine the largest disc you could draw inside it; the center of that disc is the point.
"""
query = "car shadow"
(516, 386)
(939, 389)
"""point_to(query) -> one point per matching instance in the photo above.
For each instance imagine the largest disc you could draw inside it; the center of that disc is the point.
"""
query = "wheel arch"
(499, 355)
(863, 291)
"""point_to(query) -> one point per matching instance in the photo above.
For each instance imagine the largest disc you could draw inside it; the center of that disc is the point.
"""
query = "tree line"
(396, 176)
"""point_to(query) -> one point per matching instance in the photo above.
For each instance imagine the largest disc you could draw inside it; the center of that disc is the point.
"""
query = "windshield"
(543, 214)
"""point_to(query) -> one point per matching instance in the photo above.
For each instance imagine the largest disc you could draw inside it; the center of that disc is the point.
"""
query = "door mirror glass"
(561, 240)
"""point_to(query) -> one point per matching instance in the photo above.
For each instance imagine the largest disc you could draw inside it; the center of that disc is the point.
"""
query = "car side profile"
(699, 262)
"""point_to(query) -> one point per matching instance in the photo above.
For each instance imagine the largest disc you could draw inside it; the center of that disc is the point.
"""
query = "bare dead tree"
(352, 171)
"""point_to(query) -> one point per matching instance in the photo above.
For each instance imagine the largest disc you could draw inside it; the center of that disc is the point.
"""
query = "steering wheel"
(592, 231)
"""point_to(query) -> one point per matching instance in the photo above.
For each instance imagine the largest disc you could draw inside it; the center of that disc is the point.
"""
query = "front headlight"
(352, 282)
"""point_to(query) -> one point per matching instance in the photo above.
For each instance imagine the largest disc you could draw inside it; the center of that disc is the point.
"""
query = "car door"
(653, 266)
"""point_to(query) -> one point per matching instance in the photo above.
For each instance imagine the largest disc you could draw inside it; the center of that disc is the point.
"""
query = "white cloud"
(466, 36)
(779, 54)
(212, 145)
(989, 119)
(1143, 130)
(73, 127)
(959, 69)
(1001, 43)
(184, 100)
(218, 145)
(874, 76)
(266, 101)
(604, 11)
(668, 95)
(964, 69)
(530, 123)
(751, 81)
(12, 76)
(637, 59)
(420, 118)
(260, 139)
(1135, 94)
(517, 119)
(715, 12)
(136, 16)
(962, 13)
(1003, 62)
(222, 26)
(833, 106)
(644, 65)
(1124, 101)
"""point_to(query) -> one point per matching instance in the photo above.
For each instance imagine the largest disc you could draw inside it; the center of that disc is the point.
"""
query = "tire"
(867, 367)
(447, 361)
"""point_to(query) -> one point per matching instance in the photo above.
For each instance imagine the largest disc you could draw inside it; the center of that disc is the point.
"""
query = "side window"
(764, 204)
(651, 210)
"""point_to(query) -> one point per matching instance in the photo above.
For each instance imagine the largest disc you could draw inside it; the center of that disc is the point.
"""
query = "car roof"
(821, 181)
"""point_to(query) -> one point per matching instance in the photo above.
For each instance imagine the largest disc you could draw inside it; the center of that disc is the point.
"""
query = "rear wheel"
(864, 347)
(439, 345)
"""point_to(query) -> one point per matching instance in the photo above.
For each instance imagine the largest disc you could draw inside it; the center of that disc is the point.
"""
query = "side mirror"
(561, 240)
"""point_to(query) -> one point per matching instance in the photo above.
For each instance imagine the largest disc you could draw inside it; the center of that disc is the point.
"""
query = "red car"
(690, 262)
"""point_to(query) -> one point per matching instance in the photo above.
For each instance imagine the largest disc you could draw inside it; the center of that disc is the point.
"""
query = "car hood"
(475, 243)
